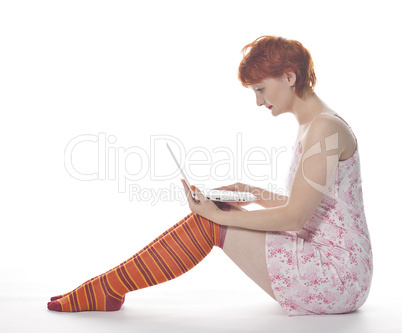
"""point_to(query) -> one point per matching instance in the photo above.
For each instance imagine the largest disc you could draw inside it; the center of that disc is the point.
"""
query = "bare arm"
(268, 199)
(269, 219)
(317, 166)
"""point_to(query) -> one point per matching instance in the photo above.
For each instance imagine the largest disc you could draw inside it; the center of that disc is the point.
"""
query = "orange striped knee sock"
(137, 254)
(170, 255)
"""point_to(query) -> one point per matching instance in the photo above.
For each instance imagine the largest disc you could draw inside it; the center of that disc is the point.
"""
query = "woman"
(309, 251)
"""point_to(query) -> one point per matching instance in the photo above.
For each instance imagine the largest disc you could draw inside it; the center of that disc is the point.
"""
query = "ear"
(291, 78)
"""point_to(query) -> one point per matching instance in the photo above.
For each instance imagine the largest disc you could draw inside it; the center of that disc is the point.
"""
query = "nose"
(260, 100)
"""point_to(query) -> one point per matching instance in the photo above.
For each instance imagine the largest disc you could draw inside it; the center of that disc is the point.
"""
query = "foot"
(96, 277)
(95, 295)
(64, 295)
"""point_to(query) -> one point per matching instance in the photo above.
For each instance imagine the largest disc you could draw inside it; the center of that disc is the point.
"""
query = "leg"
(136, 255)
(246, 248)
(173, 253)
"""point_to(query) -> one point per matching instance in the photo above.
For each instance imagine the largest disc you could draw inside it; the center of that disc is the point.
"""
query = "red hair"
(270, 56)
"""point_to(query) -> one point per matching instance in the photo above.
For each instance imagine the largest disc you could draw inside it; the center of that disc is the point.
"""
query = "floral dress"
(327, 266)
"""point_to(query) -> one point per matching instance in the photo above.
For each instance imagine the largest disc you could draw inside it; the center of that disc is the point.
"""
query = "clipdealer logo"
(331, 143)
(112, 163)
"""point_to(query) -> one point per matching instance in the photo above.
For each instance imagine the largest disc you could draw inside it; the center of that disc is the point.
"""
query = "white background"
(136, 69)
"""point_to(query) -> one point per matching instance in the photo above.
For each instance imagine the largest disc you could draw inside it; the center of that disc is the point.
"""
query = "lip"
(270, 107)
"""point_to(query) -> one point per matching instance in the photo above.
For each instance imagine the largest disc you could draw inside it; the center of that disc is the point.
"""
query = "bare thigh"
(246, 248)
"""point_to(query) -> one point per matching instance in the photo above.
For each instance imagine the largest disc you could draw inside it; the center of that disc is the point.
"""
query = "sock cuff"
(222, 235)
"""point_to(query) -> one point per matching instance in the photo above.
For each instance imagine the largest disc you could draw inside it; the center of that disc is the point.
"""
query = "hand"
(239, 187)
(205, 207)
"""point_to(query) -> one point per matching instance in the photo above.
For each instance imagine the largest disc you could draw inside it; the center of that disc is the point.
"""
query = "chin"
(274, 113)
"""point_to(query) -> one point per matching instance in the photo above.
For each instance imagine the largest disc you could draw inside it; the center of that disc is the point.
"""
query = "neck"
(306, 108)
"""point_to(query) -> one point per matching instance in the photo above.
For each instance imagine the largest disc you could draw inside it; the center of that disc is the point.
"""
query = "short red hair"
(271, 56)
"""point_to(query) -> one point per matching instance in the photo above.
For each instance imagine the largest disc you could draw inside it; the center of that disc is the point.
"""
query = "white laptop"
(216, 195)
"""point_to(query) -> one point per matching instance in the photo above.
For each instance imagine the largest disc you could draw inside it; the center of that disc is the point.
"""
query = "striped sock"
(221, 205)
(136, 255)
(170, 255)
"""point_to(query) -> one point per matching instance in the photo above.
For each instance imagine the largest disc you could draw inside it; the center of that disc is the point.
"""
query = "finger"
(222, 188)
(197, 192)
(184, 183)
(226, 187)
(191, 195)
(187, 191)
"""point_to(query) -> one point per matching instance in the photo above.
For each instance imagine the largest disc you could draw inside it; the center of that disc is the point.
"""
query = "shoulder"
(328, 131)
(327, 124)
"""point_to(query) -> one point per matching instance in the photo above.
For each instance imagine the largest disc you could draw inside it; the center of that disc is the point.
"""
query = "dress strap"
(349, 127)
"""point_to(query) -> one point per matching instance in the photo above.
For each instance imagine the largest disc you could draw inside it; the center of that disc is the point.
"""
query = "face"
(277, 94)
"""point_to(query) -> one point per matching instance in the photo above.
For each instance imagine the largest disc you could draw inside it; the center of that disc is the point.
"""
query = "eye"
(260, 90)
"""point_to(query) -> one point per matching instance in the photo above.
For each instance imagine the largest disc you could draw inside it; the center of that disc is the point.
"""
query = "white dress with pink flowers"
(326, 267)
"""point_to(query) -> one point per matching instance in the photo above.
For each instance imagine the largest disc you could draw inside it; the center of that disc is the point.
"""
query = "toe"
(54, 306)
